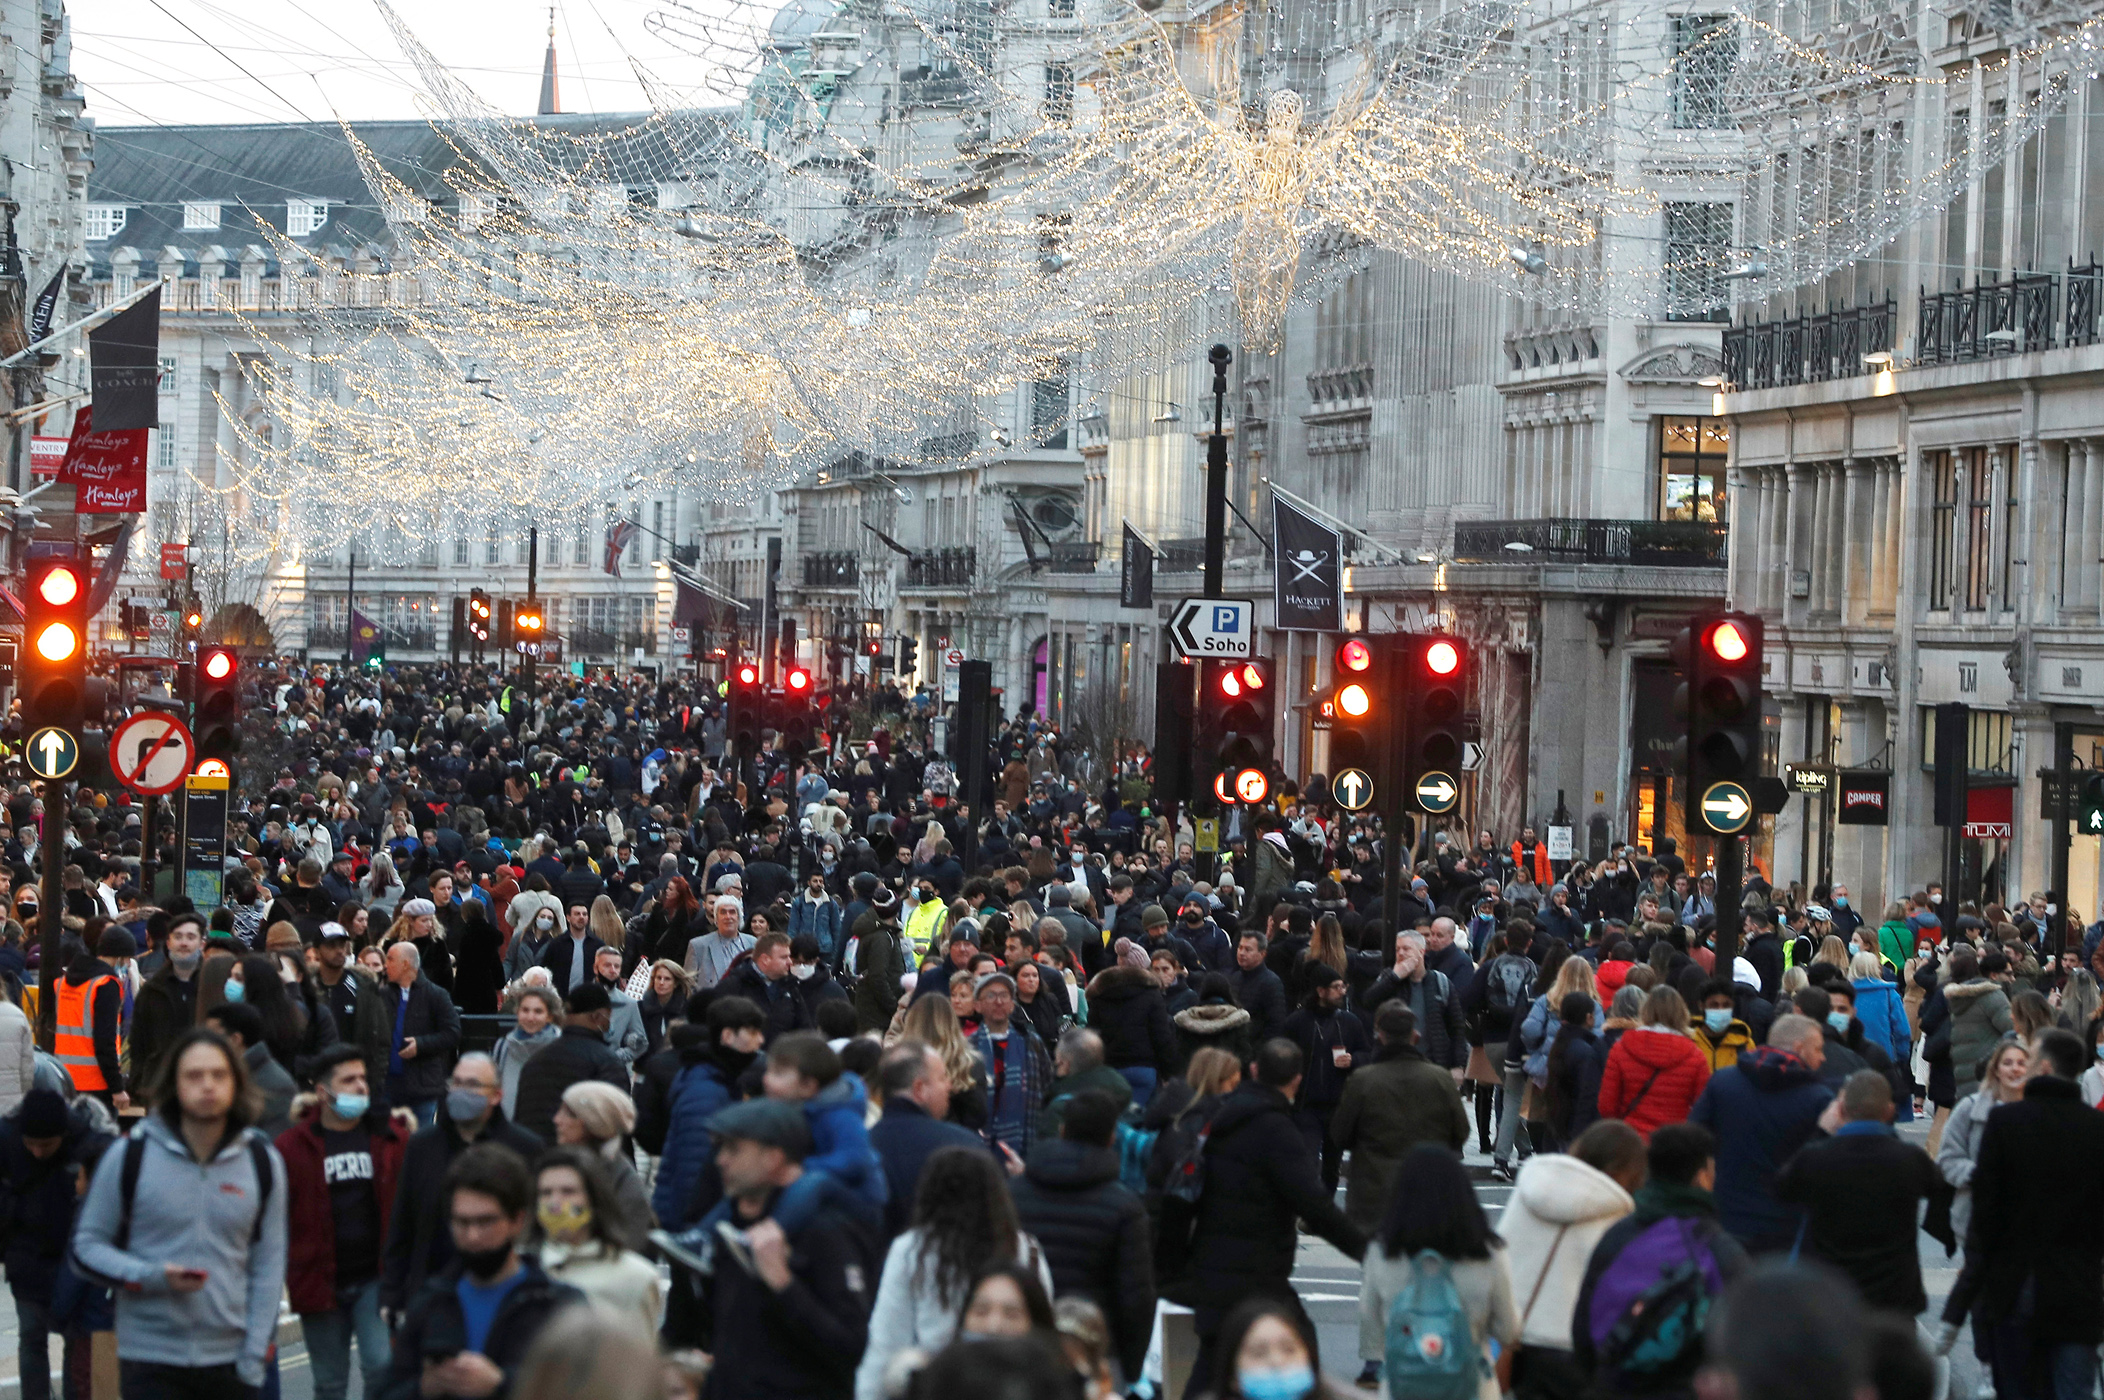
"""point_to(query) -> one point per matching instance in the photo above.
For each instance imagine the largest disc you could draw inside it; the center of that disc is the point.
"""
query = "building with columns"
(1917, 465)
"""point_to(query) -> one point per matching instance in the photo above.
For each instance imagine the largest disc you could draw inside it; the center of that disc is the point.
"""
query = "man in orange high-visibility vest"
(90, 1041)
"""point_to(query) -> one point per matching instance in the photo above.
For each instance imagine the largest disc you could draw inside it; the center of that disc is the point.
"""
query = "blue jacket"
(821, 921)
(1762, 1110)
(840, 1144)
(1884, 1017)
(697, 1092)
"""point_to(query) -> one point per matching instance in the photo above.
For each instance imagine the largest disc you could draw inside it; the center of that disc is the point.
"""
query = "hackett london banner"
(106, 469)
(124, 353)
(1308, 591)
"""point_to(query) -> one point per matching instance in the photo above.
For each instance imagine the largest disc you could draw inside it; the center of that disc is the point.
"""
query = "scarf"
(1014, 1090)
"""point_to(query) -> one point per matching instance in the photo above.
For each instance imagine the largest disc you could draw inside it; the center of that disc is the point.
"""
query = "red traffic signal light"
(1354, 700)
(1354, 655)
(53, 680)
(217, 663)
(1442, 658)
(1238, 679)
(217, 719)
(1726, 640)
(748, 674)
(798, 680)
(59, 586)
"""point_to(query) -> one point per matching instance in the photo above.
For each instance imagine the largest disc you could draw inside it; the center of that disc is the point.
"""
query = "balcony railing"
(1808, 349)
(1672, 543)
(1072, 556)
(941, 568)
(832, 569)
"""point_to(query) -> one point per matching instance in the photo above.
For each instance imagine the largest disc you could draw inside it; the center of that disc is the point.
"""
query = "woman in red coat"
(1655, 1072)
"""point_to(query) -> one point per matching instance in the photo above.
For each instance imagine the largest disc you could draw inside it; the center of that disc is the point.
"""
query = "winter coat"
(880, 960)
(1442, 1031)
(1862, 1190)
(1495, 1023)
(512, 1051)
(1320, 1034)
(910, 1311)
(1721, 1051)
(1653, 1077)
(433, 1023)
(1095, 1237)
(707, 1082)
(1263, 996)
(904, 1139)
(1883, 1017)
(1979, 1017)
(1392, 1105)
(160, 1015)
(419, 1235)
(1591, 1069)
(580, 1053)
(1559, 1209)
(370, 1023)
(820, 919)
(1214, 1023)
(782, 1009)
(18, 1056)
(38, 1201)
(1259, 1181)
(310, 1265)
(1958, 1155)
(1895, 944)
(1126, 1008)
(1762, 1110)
(434, 1325)
(2043, 1149)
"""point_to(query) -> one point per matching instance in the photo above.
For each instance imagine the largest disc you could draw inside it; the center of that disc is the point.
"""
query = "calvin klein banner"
(124, 353)
(1136, 572)
(46, 304)
(1308, 593)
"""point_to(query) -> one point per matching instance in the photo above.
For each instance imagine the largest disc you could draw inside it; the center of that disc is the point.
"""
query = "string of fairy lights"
(885, 214)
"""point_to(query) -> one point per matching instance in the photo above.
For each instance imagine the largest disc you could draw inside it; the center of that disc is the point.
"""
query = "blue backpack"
(1431, 1350)
(1650, 1306)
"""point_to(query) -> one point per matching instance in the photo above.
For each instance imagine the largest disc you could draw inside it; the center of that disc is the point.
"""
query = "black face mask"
(484, 1263)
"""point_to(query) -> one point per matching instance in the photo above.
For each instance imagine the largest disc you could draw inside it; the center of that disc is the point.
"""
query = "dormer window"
(305, 216)
(200, 215)
(104, 221)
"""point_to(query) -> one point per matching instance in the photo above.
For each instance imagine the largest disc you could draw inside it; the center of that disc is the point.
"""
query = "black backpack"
(128, 1188)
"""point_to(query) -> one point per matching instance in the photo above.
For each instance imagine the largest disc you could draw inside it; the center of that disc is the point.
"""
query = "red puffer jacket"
(1652, 1078)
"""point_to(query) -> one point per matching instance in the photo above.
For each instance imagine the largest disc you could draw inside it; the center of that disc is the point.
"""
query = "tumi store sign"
(1864, 799)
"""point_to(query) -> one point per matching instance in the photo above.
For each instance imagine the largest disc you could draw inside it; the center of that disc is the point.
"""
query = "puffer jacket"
(1721, 1051)
(1095, 1236)
(708, 1082)
(1979, 1017)
(1884, 1017)
(1652, 1078)
(1442, 1031)
(1560, 1207)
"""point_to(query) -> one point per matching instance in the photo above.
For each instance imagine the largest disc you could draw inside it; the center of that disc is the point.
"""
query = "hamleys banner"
(108, 470)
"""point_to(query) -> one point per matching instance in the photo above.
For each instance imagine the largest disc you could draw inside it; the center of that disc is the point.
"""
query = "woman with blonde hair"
(1795, 981)
(607, 926)
(380, 889)
(933, 1023)
(1833, 952)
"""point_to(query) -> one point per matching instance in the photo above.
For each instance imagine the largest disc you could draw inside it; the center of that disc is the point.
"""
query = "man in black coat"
(43, 1150)
(763, 978)
(419, 1241)
(1258, 989)
(1094, 1231)
(423, 1034)
(1861, 1190)
(580, 884)
(487, 1197)
(1259, 1180)
(2039, 1283)
(916, 1087)
(578, 1054)
(570, 955)
(1431, 996)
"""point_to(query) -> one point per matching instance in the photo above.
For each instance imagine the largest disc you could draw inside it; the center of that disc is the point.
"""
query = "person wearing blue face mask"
(1268, 1351)
(343, 1161)
(1717, 1029)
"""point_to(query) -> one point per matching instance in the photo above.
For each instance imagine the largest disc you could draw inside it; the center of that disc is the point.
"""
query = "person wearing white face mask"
(811, 976)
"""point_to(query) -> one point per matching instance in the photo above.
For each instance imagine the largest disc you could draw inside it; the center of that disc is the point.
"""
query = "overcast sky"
(309, 60)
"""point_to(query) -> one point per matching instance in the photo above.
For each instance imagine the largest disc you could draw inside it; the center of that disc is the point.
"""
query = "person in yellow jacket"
(1716, 1029)
(90, 1040)
(928, 922)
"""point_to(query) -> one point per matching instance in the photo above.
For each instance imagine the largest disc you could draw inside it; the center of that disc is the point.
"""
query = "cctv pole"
(533, 584)
(1216, 478)
(350, 609)
(51, 904)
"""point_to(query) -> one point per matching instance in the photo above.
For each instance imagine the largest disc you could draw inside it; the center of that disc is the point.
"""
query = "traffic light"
(2089, 817)
(217, 718)
(478, 617)
(193, 621)
(795, 727)
(1720, 654)
(1362, 716)
(1237, 713)
(909, 655)
(55, 661)
(1431, 680)
(528, 622)
(504, 627)
(1174, 715)
(742, 720)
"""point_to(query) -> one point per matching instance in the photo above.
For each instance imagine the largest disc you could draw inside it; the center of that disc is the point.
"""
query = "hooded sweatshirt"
(202, 1215)
(1560, 1208)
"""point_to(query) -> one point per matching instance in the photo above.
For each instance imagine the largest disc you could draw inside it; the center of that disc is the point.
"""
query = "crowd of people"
(538, 1048)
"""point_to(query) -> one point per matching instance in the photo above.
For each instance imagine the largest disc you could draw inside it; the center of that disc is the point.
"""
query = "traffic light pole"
(51, 905)
(1731, 917)
(1216, 478)
(533, 588)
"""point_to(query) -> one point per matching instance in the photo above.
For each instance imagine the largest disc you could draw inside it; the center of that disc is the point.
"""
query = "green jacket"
(1102, 1078)
(1895, 943)
(1400, 1100)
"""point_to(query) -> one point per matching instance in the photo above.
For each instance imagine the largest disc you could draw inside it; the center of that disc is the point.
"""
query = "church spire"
(551, 104)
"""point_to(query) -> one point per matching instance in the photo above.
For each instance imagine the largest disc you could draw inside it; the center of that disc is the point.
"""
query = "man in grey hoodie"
(198, 1252)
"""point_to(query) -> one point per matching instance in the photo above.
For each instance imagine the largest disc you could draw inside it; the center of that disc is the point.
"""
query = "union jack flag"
(618, 534)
